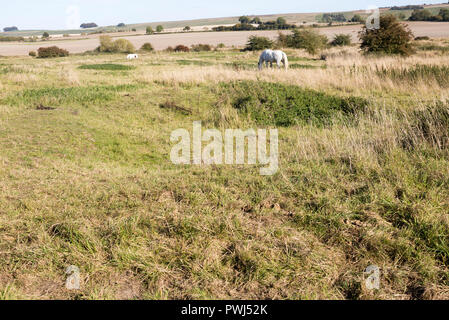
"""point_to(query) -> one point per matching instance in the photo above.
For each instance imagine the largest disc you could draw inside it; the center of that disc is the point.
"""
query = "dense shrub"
(391, 38)
(341, 40)
(149, 30)
(201, 47)
(121, 25)
(286, 105)
(147, 47)
(357, 18)
(187, 28)
(181, 48)
(45, 35)
(308, 39)
(32, 53)
(426, 15)
(51, 52)
(330, 17)
(117, 46)
(256, 43)
(159, 28)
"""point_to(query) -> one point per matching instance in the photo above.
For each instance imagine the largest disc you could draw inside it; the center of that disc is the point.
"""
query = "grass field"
(86, 178)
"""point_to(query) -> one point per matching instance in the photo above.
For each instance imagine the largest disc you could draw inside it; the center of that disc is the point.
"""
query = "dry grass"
(90, 183)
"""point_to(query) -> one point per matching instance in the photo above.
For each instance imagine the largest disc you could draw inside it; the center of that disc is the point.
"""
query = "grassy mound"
(107, 67)
(285, 105)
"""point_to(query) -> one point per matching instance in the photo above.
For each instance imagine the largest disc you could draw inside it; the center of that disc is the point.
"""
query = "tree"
(150, 30)
(256, 20)
(357, 18)
(308, 39)
(88, 25)
(187, 28)
(341, 40)
(45, 35)
(258, 43)
(421, 15)
(159, 28)
(121, 25)
(9, 29)
(244, 20)
(281, 21)
(391, 38)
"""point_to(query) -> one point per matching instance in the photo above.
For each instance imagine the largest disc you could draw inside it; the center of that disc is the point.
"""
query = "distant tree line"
(246, 24)
(333, 17)
(409, 7)
(9, 29)
(88, 25)
(426, 15)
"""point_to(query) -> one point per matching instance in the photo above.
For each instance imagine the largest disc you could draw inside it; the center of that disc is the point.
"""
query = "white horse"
(132, 56)
(270, 56)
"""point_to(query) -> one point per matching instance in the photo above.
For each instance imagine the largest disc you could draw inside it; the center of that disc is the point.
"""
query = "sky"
(65, 14)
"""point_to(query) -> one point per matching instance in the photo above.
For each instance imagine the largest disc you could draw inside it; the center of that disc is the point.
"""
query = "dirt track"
(162, 41)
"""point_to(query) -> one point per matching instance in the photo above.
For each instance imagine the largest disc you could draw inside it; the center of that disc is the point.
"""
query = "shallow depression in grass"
(107, 67)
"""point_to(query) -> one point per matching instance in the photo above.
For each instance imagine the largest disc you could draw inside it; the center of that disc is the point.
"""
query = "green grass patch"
(71, 95)
(286, 105)
(194, 63)
(107, 67)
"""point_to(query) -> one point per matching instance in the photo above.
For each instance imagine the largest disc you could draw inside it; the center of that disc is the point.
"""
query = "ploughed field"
(86, 177)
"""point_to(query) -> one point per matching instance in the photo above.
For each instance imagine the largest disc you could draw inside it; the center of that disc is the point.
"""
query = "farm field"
(162, 41)
(86, 177)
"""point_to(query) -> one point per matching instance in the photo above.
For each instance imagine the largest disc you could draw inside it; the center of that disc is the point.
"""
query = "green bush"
(201, 47)
(118, 46)
(310, 40)
(391, 38)
(286, 105)
(341, 40)
(258, 43)
(147, 47)
(32, 53)
(45, 35)
(150, 30)
(159, 28)
(52, 52)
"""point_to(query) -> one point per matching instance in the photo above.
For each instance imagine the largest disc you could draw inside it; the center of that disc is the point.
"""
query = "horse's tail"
(261, 61)
(285, 60)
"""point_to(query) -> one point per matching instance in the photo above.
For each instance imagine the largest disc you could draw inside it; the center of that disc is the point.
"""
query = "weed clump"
(286, 105)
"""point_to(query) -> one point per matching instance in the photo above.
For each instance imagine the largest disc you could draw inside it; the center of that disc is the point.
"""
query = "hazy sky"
(59, 14)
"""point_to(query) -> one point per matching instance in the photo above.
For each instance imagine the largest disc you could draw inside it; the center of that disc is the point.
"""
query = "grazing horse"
(270, 56)
(132, 56)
